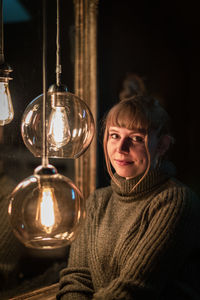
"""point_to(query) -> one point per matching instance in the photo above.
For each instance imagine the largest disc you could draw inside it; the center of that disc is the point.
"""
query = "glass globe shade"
(69, 124)
(46, 210)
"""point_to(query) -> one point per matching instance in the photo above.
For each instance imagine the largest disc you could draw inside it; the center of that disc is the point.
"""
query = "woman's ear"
(164, 144)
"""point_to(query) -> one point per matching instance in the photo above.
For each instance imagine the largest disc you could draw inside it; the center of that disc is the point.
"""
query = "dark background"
(159, 41)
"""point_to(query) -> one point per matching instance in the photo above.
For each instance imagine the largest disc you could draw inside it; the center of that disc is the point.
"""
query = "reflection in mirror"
(23, 269)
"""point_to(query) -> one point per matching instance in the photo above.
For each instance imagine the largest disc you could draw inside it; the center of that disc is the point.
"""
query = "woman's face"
(127, 152)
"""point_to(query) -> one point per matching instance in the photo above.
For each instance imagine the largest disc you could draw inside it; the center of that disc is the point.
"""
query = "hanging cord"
(1, 35)
(58, 65)
(44, 129)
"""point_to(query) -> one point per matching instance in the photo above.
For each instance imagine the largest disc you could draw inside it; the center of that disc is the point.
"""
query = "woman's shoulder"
(176, 186)
(101, 192)
(176, 196)
(173, 184)
(98, 197)
(177, 207)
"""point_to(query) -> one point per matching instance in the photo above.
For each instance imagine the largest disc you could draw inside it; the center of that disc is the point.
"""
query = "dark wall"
(158, 40)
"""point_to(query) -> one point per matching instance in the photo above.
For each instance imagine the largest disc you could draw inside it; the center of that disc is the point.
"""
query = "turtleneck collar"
(154, 178)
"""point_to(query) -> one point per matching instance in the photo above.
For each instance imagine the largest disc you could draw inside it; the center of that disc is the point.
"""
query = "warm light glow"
(69, 125)
(58, 128)
(28, 117)
(74, 133)
(46, 209)
(47, 219)
(6, 108)
(48, 215)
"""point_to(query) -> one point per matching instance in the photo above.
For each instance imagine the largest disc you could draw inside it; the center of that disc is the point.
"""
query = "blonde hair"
(142, 113)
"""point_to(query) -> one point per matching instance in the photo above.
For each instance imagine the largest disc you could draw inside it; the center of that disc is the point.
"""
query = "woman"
(141, 237)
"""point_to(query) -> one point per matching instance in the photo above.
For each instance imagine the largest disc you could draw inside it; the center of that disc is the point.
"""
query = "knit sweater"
(139, 245)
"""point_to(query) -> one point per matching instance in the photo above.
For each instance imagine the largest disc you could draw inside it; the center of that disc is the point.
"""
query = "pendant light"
(6, 107)
(46, 210)
(70, 124)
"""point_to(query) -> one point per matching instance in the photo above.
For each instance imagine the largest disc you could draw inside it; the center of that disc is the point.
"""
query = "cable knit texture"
(137, 245)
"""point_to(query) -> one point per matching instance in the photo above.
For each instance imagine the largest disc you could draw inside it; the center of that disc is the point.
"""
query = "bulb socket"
(48, 170)
(58, 94)
(54, 88)
(5, 71)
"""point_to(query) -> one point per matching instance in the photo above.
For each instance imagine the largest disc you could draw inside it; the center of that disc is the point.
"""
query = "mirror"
(23, 40)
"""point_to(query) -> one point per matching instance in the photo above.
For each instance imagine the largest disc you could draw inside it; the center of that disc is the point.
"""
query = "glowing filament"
(47, 213)
(58, 129)
(6, 108)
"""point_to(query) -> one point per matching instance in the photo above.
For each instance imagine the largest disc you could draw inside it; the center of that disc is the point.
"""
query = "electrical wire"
(44, 129)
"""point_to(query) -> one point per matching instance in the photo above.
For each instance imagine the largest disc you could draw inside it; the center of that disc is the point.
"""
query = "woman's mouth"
(123, 162)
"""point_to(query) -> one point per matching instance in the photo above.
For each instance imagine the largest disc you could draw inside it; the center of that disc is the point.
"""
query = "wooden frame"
(86, 89)
(86, 84)
(45, 293)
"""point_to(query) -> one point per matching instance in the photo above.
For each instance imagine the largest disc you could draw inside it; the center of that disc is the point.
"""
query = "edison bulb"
(46, 210)
(47, 215)
(69, 121)
(6, 107)
(58, 131)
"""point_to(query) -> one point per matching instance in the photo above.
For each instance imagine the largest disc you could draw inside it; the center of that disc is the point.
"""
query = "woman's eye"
(138, 139)
(113, 135)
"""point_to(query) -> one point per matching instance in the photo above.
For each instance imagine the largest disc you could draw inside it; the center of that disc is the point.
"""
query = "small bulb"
(48, 216)
(58, 132)
(6, 107)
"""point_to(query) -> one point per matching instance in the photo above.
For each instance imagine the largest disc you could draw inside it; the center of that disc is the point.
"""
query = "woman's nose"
(124, 145)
